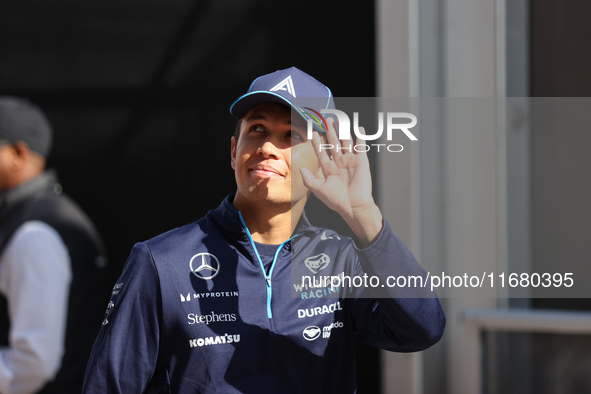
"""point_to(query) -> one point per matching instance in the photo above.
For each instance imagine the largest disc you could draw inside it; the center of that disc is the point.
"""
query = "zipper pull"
(268, 281)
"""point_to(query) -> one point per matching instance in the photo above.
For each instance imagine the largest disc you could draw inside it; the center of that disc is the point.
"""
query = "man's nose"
(268, 148)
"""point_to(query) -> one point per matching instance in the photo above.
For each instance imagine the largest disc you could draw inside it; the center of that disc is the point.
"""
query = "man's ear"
(233, 153)
(19, 155)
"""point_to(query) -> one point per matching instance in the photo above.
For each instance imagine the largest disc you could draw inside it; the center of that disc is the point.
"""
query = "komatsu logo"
(215, 340)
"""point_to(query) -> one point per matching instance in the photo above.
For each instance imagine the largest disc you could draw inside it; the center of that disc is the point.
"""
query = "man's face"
(6, 166)
(267, 157)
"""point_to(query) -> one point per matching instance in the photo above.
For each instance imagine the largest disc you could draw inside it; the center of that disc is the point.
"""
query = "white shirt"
(35, 277)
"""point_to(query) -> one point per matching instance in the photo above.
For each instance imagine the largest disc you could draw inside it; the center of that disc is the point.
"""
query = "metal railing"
(478, 321)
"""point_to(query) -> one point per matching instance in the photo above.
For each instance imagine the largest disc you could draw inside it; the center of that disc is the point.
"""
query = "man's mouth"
(265, 171)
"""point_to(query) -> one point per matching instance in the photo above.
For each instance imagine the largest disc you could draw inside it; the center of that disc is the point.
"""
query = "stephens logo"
(311, 333)
(211, 318)
(205, 266)
(317, 263)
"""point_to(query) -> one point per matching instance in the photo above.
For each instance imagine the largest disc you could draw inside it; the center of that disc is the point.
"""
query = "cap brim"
(244, 103)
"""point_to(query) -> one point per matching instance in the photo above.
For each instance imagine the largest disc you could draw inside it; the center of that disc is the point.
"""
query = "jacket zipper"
(268, 277)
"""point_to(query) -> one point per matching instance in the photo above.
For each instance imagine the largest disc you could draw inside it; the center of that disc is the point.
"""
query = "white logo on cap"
(286, 84)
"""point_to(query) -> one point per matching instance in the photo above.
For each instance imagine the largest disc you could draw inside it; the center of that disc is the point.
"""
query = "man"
(51, 264)
(208, 307)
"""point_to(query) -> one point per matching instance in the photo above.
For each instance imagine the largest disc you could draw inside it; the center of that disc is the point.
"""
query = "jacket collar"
(226, 216)
(37, 187)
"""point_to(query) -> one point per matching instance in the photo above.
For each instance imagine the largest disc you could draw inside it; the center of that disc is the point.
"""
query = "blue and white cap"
(291, 87)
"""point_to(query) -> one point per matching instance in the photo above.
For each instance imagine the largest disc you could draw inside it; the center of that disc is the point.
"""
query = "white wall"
(450, 193)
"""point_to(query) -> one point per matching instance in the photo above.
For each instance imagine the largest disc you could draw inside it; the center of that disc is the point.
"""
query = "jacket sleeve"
(125, 352)
(35, 276)
(404, 315)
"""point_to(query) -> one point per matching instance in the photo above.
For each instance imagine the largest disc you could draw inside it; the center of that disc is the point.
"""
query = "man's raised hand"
(345, 184)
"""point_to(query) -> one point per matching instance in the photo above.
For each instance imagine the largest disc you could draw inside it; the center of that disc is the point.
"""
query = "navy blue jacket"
(199, 310)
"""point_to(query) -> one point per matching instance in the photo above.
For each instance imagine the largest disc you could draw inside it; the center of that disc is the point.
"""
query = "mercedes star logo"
(205, 265)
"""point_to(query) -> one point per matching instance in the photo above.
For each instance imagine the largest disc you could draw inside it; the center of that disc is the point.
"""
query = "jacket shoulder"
(178, 236)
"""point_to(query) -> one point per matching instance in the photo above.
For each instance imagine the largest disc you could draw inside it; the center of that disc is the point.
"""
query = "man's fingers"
(321, 154)
(309, 180)
(331, 136)
(361, 131)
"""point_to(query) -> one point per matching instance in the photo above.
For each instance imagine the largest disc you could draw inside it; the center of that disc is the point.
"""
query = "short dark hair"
(237, 130)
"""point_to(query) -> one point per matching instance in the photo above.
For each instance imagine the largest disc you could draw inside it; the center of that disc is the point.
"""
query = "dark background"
(138, 94)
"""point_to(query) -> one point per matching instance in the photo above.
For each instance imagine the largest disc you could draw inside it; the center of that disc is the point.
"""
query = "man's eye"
(295, 136)
(256, 128)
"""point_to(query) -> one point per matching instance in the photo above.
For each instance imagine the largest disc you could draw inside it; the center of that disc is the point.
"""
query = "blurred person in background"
(53, 280)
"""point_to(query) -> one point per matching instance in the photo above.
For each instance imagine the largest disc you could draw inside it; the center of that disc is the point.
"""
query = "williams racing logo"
(205, 266)
(317, 263)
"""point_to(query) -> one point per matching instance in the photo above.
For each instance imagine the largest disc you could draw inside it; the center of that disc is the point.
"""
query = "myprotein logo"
(212, 294)
(394, 123)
